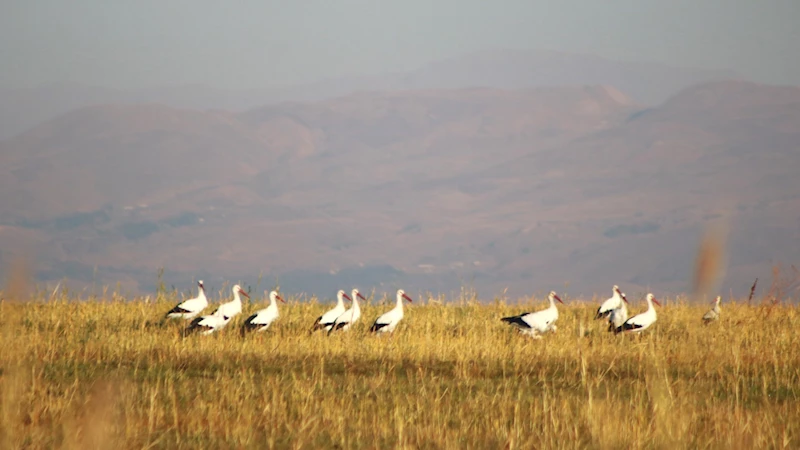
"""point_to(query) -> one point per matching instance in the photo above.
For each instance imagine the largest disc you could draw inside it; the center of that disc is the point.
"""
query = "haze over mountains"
(571, 187)
(648, 83)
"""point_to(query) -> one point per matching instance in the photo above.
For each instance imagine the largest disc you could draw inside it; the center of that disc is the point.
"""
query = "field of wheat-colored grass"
(107, 373)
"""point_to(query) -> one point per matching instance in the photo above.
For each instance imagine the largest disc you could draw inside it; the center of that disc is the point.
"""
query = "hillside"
(533, 189)
(648, 187)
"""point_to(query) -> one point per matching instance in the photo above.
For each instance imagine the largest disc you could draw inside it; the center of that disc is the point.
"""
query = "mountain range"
(648, 83)
(571, 188)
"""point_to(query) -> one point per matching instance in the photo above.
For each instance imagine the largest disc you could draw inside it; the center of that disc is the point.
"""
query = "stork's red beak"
(244, 293)
(347, 297)
(656, 302)
(407, 298)
(559, 299)
(624, 298)
(280, 298)
(361, 296)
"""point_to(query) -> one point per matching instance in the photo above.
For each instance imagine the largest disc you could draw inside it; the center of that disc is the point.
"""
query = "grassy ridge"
(110, 374)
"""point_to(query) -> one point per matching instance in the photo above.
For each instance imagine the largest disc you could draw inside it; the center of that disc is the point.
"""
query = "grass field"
(106, 373)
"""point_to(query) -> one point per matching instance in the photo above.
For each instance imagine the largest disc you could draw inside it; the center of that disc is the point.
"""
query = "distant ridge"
(647, 83)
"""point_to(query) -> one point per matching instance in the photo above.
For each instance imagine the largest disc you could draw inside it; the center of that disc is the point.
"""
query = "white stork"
(349, 317)
(263, 318)
(611, 304)
(190, 308)
(387, 322)
(326, 320)
(641, 321)
(221, 316)
(536, 323)
(713, 313)
(619, 315)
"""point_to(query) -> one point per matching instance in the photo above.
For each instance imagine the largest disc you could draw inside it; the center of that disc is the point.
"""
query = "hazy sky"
(243, 44)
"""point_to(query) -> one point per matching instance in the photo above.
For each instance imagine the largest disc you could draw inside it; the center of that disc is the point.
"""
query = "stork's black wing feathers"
(177, 310)
(194, 325)
(317, 324)
(601, 315)
(627, 326)
(249, 326)
(337, 326)
(377, 326)
(516, 320)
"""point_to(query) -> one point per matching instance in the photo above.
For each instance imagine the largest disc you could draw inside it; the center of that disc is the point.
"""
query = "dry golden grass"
(106, 373)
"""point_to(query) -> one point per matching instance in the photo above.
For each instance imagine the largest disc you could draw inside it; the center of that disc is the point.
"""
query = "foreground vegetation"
(108, 373)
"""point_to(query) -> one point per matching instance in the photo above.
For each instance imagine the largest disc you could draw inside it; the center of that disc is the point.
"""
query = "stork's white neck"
(650, 307)
(399, 300)
(356, 307)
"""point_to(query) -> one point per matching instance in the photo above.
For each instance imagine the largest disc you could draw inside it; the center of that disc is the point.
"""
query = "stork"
(221, 316)
(349, 317)
(536, 323)
(326, 320)
(618, 315)
(190, 308)
(713, 313)
(610, 304)
(641, 321)
(387, 322)
(263, 318)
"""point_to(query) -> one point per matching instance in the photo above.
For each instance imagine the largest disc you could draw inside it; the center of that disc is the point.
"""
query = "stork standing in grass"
(190, 308)
(537, 323)
(326, 320)
(262, 319)
(387, 322)
(221, 316)
(349, 317)
(713, 313)
(642, 321)
(611, 304)
(619, 315)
